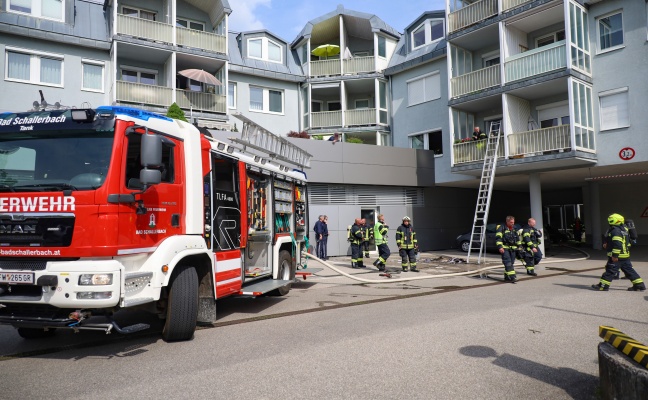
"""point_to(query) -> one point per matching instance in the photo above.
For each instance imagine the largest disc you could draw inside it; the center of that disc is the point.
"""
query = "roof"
(377, 24)
(288, 71)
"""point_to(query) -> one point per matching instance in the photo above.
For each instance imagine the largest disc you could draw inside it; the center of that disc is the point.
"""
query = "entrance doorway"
(558, 220)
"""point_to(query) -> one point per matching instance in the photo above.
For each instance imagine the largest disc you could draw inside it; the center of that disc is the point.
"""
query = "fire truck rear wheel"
(286, 272)
(35, 333)
(182, 306)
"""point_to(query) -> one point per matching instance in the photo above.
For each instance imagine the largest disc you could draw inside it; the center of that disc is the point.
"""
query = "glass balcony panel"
(471, 14)
(145, 29)
(201, 101)
(144, 94)
(475, 81)
(357, 65)
(539, 141)
(365, 116)
(535, 62)
(201, 40)
(325, 67)
(474, 151)
(509, 4)
(326, 119)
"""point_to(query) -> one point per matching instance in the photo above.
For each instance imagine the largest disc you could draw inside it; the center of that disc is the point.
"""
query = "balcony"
(144, 94)
(535, 62)
(471, 14)
(539, 141)
(509, 4)
(200, 101)
(145, 29)
(359, 65)
(201, 40)
(364, 116)
(325, 68)
(474, 151)
(326, 119)
(476, 81)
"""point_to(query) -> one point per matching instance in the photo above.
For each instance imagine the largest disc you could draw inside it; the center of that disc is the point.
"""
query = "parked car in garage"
(463, 241)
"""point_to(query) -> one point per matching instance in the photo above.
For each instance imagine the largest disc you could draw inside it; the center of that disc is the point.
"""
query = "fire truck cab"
(117, 208)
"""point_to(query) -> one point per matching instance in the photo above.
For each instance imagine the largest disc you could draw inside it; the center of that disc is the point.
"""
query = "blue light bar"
(134, 112)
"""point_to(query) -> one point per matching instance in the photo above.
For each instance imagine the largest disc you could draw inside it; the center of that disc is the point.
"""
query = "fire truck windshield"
(37, 155)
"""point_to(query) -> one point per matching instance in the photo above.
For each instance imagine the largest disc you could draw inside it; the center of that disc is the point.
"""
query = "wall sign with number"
(627, 153)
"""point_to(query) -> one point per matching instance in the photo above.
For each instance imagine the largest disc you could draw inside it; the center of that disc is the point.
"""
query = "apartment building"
(561, 77)
(345, 90)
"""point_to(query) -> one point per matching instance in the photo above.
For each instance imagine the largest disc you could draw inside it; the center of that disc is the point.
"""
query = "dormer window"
(428, 32)
(265, 49)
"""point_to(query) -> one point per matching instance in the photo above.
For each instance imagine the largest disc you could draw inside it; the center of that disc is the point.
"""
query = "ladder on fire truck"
(279, 149)
(478, 233)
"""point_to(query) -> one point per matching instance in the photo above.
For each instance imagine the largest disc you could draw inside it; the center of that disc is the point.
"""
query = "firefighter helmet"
(406, 218)
(616, 219)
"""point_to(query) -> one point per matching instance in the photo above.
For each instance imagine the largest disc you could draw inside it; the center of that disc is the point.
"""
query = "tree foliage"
(176, 112)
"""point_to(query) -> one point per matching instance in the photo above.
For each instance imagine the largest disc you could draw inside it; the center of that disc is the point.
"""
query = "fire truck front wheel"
(182, 306)
(35, 333)
(286, 272)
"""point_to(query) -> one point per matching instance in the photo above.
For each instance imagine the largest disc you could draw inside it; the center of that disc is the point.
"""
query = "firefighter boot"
(354, 265)
(509, 278)
(601, 287)
(531, 271)
(405, 269)
(376, 263)
(637, 286)
(413, 268)
(366, 254)
(381, 266)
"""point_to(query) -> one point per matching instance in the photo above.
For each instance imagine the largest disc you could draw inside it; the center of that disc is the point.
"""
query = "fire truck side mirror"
(151, 159)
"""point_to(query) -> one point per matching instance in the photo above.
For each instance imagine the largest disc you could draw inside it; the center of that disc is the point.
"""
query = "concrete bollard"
(622, 377)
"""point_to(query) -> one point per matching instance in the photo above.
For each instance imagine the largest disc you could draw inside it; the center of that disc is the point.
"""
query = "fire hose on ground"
(418, 278)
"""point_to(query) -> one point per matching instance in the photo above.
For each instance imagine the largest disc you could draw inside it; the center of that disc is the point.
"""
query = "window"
(266, 100)
(138, 13)
(265, 49)
(316, 106)
(93, 75)
(551, 38)
(610, 31)
(427, 141)
(334, 105)
(231, 94)
(50, 9)
(428, 32)
(614, 109)
(364, 103)
(382, 46)
(304, 54)
(185, 23)
(490, 60)
(423, 89)
(139, 75)
(34, 67)
(134, 165)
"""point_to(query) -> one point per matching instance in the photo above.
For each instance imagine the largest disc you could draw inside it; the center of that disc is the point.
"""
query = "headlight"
(94, 295)
(95, 279)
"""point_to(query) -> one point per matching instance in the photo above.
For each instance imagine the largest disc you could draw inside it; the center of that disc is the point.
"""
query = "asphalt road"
(448, 338)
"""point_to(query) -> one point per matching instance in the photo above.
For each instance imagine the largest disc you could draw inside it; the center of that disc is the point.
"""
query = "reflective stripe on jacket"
(406, 237)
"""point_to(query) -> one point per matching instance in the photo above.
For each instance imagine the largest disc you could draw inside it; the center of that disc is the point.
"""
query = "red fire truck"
(116, 208)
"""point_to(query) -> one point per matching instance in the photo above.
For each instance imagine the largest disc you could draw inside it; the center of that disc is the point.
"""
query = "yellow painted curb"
(629, 346)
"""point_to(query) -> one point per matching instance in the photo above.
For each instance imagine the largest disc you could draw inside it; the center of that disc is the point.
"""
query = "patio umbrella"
(326, 50)
(200, 76)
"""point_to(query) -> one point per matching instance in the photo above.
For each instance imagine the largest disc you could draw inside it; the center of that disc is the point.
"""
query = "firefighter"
(407, 245)
(367, 235)
(356, 237)
(531, 240)
(577, 228)
(508, 242)
(380, 238)
(478, 134)
(617, 243)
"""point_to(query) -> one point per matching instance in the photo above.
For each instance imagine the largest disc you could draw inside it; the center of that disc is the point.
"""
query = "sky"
(286, 18)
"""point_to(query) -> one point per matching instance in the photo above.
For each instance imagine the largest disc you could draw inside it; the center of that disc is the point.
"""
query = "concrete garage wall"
(629, 200)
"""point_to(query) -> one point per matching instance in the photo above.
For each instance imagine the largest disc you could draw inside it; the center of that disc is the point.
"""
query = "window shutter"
(416, 92)
(614, 111)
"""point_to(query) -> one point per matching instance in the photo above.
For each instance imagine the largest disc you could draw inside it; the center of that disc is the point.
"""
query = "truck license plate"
(17, 278)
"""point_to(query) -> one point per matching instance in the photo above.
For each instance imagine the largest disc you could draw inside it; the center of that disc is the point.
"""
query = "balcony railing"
(539, 141)
(535, 62)
(144, 94)
(325, 67)
(508, 4)
(143, 28)
(201, 40)
(475, 81)
(364, 116)
(359, 65)
(200, 101)
(471, 14)
(474, 151)
(326, 119)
